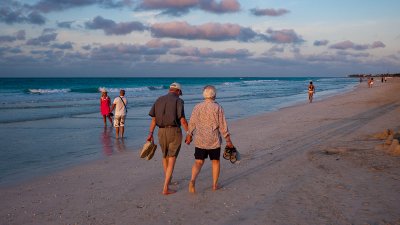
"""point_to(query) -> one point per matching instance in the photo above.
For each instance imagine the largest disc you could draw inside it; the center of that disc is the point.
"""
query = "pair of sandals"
(230, 154)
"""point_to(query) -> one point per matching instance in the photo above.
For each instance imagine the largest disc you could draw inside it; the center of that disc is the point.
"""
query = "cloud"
(275, 49)
(112, 28)
(64, 46)
(132, 51)
(344, 45)
(224, 6)
(157, 43)
(321, 42)
(16, 50)
(284, 36)
(65, 24)
(269, 12)
(168, 4)
(87, 47)
(19, 35)
(356, 55)
(12, 51)
(180, 7)
(14, 12)
(210, 53)
(208, 31)
(222, 32)
(48, 35)
(378, 44)
(47, 6)
(3, 50)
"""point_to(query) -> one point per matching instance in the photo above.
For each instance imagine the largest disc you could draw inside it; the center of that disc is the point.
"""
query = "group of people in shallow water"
(207, 127)
(119, 105)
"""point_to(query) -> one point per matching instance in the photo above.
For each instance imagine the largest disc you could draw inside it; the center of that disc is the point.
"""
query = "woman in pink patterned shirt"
(207, 124)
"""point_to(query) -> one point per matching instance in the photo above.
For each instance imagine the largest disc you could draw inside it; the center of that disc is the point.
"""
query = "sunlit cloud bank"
(182, 37)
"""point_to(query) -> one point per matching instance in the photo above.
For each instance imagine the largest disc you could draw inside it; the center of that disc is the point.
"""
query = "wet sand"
(312, 163)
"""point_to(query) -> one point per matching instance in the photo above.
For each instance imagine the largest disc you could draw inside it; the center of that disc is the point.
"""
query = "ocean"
(48, 124)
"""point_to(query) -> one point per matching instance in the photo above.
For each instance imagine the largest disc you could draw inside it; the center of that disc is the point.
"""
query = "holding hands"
(188, 139)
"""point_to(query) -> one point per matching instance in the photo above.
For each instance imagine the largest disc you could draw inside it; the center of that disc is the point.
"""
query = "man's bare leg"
(169, 164)
(196, 168)
(215, 173)
(122, 132)
(165, 164)
(116, 132)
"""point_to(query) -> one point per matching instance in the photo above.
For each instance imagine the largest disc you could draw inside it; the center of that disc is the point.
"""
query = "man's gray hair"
(209, 92)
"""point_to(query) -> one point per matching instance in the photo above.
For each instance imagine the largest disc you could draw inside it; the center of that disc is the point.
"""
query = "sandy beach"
(307, 164)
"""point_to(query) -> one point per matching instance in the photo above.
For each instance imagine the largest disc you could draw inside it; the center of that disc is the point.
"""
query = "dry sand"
(308, 164)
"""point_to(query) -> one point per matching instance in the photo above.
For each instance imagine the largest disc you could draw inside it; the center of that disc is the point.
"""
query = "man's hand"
(150, 137)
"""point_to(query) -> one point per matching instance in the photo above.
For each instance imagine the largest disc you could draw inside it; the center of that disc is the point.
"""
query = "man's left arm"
(182, 118)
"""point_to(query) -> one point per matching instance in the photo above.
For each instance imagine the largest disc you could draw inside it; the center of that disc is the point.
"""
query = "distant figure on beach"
(119, 105)
(385, 79)
(361, 79)
(382, 79)
(370, 82)
(311, 91)
(207, 124)
(168, 114)
(105, 103)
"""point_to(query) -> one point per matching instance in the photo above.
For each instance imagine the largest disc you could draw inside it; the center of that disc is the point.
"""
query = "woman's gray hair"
(209, 92)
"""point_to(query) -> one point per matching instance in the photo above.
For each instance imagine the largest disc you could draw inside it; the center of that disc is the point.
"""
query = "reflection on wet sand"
(120, 145)
(106, 141)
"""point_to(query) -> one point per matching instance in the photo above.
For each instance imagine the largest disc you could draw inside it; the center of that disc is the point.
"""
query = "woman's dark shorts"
(202, 154)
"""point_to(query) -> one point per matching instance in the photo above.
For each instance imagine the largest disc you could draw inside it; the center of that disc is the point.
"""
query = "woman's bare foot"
(168, 192)
(192, 188)
(216, 187)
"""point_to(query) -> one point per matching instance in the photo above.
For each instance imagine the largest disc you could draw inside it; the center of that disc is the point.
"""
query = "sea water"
(49, 124)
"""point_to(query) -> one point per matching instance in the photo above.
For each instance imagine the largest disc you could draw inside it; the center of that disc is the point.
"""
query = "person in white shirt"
(119, 105)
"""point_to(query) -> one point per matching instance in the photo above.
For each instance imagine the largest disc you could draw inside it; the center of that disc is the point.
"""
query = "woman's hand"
(188, 139)
(229, 144)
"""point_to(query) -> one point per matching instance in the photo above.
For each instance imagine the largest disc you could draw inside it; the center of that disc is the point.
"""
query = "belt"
(167, 126)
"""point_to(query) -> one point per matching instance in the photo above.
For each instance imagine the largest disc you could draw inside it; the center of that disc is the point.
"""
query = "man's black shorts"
(202, 154)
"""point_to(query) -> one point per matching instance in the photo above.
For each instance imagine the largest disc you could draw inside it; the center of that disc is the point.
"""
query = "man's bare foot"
(192, 188)
(168, 192)
(216, 187)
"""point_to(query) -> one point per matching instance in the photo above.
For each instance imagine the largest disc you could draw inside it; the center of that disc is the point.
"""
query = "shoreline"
(282, 168)
(134, 140)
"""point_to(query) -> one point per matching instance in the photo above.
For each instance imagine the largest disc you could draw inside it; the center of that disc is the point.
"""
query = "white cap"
(176, 85)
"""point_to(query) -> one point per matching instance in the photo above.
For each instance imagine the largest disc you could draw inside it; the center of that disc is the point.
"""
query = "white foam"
(133, 89)
(255, 82)
(49, 91)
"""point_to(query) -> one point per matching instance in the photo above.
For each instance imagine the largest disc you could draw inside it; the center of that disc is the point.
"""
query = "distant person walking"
(119, 105)
(207, 124)
(370, 82)
(311, 91)
(168, 114)
(105, 103)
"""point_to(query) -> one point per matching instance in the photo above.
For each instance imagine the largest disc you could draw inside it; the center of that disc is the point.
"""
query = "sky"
(202, 38)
